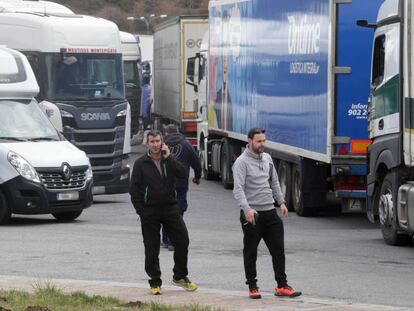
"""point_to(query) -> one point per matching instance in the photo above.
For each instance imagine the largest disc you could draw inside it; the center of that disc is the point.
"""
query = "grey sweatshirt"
(256, 184)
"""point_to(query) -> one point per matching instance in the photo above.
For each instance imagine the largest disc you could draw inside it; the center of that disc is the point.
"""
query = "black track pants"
(269, 227)
(170, 218)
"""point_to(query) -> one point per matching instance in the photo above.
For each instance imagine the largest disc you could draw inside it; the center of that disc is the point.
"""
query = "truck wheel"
(67, 216)
(5, 212)
(206, 173)
(298, 201)
(387, 207)
(285, 179)
(226, 174)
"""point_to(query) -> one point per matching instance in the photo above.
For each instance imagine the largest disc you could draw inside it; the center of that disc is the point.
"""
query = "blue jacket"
(185, 153)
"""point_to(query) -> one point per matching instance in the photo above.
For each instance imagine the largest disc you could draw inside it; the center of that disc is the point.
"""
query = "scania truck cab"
(40, 171)
(77, 61)
(391, 124)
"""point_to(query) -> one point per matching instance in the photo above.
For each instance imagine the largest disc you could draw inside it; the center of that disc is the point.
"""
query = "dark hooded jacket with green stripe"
(149, 187)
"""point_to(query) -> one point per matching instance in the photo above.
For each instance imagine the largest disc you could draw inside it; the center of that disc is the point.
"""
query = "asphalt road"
(329, 256)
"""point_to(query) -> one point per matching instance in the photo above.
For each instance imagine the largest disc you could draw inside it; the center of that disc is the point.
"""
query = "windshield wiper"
(42, 138)
(13, 138)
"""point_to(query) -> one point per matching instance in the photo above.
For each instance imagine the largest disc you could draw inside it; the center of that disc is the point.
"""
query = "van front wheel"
(67, 216)
(5, 212)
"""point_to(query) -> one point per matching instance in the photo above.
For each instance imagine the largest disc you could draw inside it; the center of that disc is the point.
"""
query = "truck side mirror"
(191, 73)
(364, 23)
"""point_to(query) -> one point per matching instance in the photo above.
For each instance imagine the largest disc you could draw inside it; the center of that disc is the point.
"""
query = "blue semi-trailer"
(300, 69)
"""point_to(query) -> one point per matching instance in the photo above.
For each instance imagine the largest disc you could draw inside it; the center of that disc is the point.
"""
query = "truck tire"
(5, 212)
(207, 174)
(285, 179)
(387, 206)
(226, 173)
(67, 216)
(298, 201)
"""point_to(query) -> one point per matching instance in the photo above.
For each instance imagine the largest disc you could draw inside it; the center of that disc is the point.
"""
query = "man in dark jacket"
(152, 191)
(185, 153)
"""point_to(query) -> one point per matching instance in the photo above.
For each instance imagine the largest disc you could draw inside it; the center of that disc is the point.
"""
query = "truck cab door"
(202, 89)
(384, 112)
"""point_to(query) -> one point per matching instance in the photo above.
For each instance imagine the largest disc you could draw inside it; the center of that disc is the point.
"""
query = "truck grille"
(56, 181)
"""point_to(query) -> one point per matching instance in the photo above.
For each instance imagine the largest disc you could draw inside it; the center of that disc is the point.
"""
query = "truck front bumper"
(114, 182)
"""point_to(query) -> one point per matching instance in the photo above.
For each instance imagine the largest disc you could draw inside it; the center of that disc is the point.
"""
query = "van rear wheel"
(5, 212)
(67, 216)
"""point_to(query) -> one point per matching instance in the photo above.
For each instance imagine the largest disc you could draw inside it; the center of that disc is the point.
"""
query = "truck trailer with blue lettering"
(299, 69)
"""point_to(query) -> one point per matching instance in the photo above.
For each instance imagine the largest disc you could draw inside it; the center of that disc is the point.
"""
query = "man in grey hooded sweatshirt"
(257, 191)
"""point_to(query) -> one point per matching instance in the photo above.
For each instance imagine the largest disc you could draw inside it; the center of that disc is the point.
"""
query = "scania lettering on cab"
(300, 70)
(40, 171)
(391, 155)
(77, 61)
(175, 41)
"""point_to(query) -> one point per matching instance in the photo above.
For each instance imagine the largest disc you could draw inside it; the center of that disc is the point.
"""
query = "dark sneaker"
(286, 291)
(186, 284)
(155, 290)
(254, 293)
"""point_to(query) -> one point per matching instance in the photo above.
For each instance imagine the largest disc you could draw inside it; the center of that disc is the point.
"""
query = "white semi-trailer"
(175, 41)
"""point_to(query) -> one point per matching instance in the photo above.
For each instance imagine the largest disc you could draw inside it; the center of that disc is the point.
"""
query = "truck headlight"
(23, 167)
(89, 174)
(65, 114)
(122, 113)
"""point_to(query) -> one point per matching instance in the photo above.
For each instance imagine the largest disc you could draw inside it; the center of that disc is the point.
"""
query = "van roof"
(17, 79)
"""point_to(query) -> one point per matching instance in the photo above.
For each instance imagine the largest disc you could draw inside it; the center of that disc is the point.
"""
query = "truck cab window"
(378, 61)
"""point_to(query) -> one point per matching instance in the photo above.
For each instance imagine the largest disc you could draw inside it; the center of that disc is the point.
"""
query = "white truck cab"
(131, 59)
(40, 171)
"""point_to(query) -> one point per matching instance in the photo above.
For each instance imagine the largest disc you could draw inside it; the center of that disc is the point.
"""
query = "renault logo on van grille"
(66, 172)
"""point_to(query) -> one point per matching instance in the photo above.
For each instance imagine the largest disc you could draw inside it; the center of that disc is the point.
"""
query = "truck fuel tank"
(405, 206)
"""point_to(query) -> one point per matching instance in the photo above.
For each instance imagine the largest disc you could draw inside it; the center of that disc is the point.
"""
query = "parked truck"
(390, 176)
(131, 58)
(300, 70)
(40, 171)
(77, 61)
(175, 41)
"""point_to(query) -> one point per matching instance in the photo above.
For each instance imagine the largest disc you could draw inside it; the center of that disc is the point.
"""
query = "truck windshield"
(84, 76)
(24, 120)
(131, 75)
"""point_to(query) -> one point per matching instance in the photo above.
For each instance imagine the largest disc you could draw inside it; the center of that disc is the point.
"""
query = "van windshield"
(24, 120)
(84, 76)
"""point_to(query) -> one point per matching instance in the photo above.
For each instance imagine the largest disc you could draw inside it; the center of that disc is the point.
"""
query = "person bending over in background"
(185, 153)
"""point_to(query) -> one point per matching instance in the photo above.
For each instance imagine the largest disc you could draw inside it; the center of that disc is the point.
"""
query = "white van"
(40, 172)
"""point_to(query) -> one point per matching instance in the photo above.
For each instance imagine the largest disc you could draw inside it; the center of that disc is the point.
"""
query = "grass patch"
(47, 297)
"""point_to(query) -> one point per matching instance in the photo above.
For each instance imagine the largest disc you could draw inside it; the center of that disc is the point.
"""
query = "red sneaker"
(254, 293)
(286, 291)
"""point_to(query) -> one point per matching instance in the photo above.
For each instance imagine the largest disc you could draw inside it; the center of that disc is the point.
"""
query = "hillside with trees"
(118, 10)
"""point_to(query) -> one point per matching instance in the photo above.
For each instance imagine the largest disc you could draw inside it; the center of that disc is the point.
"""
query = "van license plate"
(68, 196)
